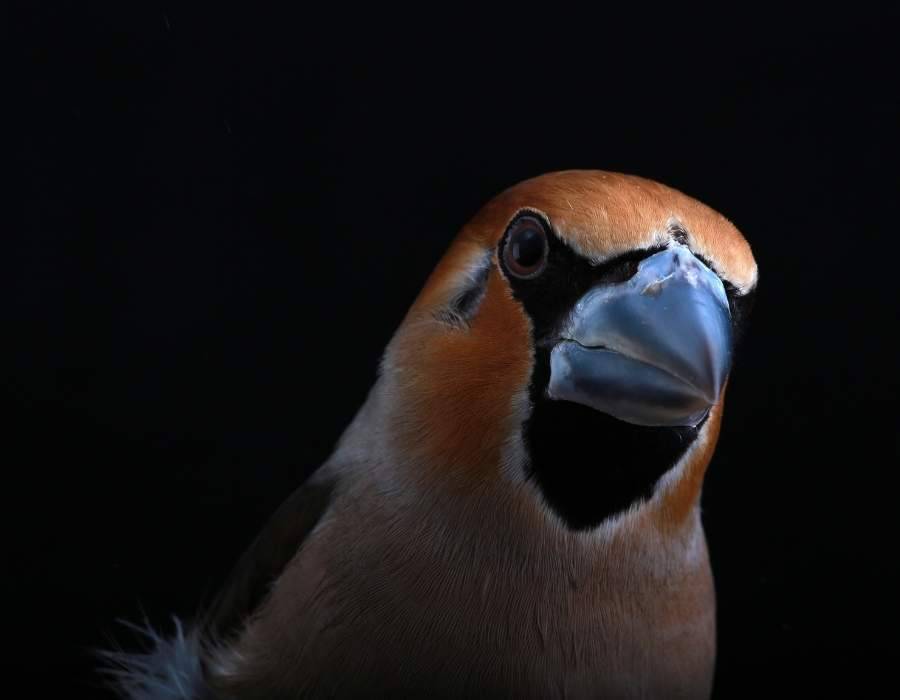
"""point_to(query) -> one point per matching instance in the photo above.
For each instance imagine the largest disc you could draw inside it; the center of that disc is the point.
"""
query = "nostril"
(624, 267)
(679, 235)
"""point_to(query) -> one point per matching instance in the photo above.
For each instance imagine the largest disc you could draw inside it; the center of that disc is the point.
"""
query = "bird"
(514, 511)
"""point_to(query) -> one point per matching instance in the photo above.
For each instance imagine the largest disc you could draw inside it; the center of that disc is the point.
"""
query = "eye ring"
(526, 248)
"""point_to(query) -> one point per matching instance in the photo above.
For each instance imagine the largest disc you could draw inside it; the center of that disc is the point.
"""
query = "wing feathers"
(267, 557)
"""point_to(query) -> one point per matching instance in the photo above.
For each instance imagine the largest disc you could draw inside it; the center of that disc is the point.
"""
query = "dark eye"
(525, 253)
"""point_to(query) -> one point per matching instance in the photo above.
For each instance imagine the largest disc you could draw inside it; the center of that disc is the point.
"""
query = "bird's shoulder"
(270, 552)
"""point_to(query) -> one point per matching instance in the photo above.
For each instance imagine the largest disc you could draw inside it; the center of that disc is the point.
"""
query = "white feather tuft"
(170, 669)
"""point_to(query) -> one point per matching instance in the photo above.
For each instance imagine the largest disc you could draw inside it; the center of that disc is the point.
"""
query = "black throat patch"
(590, 466)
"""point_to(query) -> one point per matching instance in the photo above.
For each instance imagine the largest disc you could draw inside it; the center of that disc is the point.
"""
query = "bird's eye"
(525, 253)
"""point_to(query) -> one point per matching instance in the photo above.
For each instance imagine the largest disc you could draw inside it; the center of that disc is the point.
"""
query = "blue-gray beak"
(654, 350)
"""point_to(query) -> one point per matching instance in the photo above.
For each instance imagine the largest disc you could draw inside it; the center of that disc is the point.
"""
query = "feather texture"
(170, 668)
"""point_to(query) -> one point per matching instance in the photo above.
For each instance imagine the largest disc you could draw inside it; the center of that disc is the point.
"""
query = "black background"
(219, 216)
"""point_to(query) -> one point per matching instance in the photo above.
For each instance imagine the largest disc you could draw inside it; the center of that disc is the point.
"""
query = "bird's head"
(578, 337)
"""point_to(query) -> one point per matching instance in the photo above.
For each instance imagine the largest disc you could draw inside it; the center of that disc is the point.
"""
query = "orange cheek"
(680, 501)
(457, 387)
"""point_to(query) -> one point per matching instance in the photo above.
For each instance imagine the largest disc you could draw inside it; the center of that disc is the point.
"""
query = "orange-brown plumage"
(605, 214)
